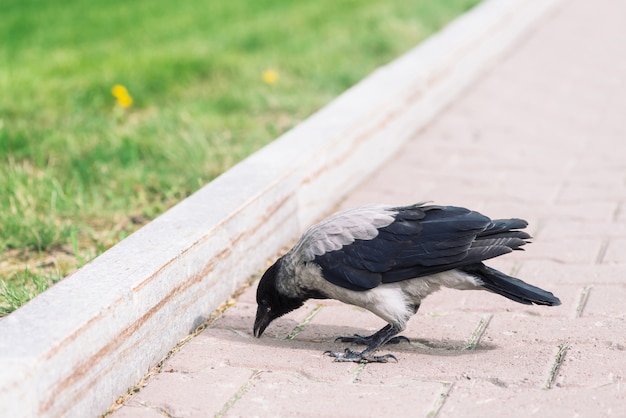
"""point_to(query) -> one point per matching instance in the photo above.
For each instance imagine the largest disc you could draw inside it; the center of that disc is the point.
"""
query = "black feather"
(345, 271)
(422, 240)
(510, 287)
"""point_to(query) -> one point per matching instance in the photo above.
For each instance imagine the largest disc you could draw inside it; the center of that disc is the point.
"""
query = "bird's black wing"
(421, 240)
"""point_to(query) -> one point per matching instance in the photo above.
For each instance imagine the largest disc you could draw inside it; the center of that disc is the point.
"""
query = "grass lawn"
(207, 83)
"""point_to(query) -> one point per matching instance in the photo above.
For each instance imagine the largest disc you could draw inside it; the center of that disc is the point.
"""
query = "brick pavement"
(541, 137)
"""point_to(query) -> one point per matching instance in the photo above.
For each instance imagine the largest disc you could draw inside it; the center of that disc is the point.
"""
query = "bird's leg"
(368, 339)
(374, 342)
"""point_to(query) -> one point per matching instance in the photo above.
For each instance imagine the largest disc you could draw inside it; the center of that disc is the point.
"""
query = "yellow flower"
(124, 99)
(269, 76)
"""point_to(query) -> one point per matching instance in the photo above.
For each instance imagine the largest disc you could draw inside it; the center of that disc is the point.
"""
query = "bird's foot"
(367, 340)
(355, 357)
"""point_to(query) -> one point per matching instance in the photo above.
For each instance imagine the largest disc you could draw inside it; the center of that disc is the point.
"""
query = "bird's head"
(273, 302)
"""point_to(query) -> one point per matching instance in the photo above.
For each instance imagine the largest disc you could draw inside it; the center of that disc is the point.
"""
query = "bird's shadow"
(323, 337)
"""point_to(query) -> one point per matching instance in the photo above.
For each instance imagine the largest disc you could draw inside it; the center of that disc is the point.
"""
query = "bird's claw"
(355, 357)
(359, 339)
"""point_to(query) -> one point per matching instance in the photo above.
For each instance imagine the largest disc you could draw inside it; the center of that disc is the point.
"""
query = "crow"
(387, 259)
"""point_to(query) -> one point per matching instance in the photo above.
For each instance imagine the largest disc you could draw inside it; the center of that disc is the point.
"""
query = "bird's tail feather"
(510, 287)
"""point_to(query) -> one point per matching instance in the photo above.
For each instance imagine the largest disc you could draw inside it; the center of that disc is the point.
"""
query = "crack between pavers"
(238, 333)
(474, 339)
(558, 361)
(602, 251)
(356, 373)
(582, 301)
(618, 210)
(440, 400)
(304, 323)
(515, 270)
(240, 392)
(158, 409)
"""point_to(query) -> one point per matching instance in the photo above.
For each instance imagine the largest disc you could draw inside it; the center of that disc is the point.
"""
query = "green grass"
(78, 173)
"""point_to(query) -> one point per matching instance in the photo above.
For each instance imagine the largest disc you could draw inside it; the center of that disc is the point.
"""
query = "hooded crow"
(387, 259)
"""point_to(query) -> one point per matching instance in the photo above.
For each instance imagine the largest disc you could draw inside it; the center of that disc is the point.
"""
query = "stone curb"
(78, 346)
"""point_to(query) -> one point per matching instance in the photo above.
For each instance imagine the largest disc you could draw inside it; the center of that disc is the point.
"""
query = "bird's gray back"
(341, 229)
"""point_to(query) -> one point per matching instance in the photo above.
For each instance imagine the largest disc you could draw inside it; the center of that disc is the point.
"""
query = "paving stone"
(200, 394)
(591, 211)
(217, 348)
(550, 271)
(519, 366)
(593, 365)
(138, 411)
(241, 318)
(577, 193)
(615, 251)
(606, 300)
(483, 398)
(249, 296)
(522, 329)
(289, 394)
(566, 251)
(559, 229)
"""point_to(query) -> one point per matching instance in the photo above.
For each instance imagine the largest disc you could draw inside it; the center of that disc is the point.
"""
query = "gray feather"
(342, 229)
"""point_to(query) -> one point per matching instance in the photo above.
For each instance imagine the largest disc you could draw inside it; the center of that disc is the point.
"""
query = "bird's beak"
(263, 319)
